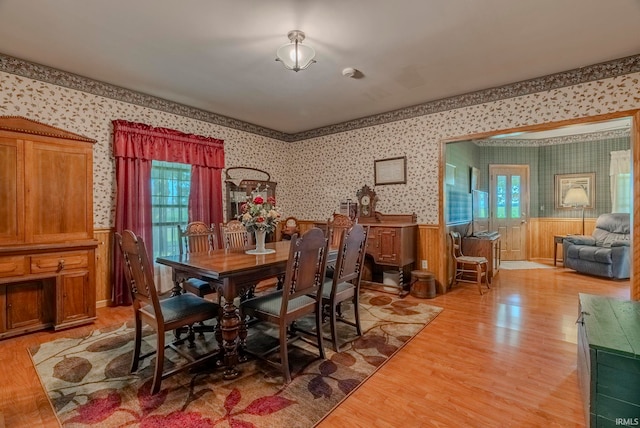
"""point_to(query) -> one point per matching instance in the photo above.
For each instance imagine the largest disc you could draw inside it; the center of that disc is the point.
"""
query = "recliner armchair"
(606, 252)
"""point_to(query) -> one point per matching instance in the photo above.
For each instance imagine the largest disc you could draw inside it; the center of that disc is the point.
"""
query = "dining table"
(232, 272)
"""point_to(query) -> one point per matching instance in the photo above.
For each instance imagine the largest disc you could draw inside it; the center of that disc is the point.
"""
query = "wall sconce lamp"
(577, 197)
(296, 56)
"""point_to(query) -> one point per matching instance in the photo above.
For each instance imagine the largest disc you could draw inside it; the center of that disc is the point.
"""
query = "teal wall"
(574, 158)
(544, 163)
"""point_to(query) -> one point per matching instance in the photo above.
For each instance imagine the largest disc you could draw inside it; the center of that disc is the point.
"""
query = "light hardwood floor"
(507, 358)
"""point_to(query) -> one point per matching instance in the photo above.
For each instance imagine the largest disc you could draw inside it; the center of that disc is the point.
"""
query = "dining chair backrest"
(138, 273)
(351, 252)
(234, 235)
(197, 237)
(305, 267)
(335, 226)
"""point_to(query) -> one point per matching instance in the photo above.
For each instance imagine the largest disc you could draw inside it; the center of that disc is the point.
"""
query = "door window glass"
(501, 196)
(515, 196)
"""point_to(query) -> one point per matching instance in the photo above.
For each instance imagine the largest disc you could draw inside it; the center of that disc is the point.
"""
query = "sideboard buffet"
(391, 245)
(47, 248)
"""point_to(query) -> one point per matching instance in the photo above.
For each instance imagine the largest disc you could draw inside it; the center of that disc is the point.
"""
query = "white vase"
(260, 236)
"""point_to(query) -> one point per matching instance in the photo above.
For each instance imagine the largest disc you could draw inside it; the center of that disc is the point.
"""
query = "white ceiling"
(219, 55)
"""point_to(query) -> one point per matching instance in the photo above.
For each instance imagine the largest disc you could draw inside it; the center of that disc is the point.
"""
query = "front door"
(510, 208)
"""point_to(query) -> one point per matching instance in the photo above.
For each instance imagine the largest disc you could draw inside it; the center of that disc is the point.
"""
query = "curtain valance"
(140, 141)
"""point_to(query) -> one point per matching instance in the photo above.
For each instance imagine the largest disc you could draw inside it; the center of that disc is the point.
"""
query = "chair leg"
(479, 277)
(319, 330)
(486, 276)
(356, 312)
(191, 336)
(284, 354)
(137, 344)
(157, 375)
(334, 329)
(455, 278)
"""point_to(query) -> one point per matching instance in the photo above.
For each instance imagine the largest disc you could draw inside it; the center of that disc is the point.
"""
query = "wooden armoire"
(47, 248)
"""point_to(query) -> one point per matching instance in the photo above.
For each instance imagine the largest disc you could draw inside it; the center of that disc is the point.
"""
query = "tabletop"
(220, 263)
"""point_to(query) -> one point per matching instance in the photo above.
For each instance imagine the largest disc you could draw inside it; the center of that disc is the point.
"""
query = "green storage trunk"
(609, 360)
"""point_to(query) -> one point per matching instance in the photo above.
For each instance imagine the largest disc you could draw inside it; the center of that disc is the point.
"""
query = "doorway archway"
(635, 146)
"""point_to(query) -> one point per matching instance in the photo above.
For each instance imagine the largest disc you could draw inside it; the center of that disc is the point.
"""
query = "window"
(622, 202)
(170, 184)
(620, 176)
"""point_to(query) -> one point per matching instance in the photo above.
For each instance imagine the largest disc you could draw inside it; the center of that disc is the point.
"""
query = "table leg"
(177, 280)
(232, 330)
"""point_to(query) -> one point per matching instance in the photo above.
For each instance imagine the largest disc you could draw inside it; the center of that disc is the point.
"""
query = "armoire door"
(11, 192)
(59, 187)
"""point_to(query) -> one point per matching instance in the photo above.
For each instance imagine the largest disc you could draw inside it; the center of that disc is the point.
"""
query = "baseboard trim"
(99, 304)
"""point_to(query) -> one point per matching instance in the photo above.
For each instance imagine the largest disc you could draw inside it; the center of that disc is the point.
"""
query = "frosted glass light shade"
(296, 56)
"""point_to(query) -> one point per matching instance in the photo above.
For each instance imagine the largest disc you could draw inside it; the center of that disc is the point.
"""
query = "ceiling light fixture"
(296, 56)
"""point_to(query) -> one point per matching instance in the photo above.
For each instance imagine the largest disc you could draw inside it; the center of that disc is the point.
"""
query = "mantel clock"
(366, 202)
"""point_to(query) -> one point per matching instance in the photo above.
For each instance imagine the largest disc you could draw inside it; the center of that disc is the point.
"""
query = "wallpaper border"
(613, 68)
(566, 139)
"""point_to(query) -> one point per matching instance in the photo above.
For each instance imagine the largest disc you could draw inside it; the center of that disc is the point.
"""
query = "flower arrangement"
(259, 214)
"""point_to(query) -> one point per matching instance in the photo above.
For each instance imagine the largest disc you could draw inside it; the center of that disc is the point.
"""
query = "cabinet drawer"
(12, 266)
(59, 262)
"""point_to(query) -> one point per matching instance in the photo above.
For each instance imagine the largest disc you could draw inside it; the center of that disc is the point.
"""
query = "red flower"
(244, 207)
(271, 200)
(258, 200)
(260, 220)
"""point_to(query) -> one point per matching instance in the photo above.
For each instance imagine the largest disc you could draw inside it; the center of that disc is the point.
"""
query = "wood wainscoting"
(429, 243)
(542, 230)
(104, 263)
(430, 239)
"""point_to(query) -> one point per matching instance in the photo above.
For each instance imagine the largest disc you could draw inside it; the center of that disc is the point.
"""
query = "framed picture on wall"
(391, 171)
(575, 190)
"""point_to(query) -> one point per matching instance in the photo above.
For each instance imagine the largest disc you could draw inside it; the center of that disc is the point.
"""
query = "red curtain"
(205, 196)
(135, 145)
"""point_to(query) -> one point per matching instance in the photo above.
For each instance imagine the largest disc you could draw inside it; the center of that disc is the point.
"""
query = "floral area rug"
(88, 382)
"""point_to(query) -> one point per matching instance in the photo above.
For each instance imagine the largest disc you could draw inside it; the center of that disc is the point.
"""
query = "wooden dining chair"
(234, 235)
(345, 284)
(162, 315)
(303, 279)
(336, 224)
(197, 237)
(467, 266)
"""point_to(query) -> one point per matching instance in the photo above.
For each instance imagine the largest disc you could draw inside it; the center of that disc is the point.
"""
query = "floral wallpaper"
(337, 165)
(315, 173)
(91, 116)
